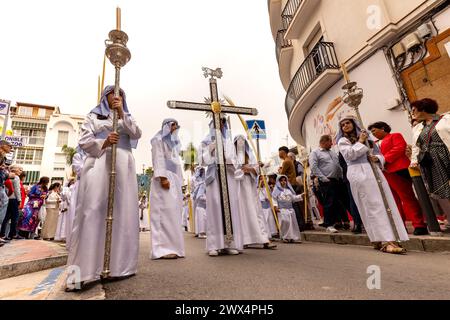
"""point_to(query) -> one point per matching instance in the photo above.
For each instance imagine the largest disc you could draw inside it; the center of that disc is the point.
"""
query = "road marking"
(48, 282)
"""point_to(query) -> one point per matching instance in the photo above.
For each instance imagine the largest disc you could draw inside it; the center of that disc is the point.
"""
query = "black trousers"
(333, 207)
(12, 213)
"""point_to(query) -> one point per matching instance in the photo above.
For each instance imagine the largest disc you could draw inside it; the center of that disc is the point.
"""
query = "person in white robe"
(63, 209)
(269, 219)
(144, 223)
(199, 198)
(215, 231)
(283, 197)
(166, 195)
(89, 227)
(254, 230)
(351, 142)
(77, 166)
(185, 214)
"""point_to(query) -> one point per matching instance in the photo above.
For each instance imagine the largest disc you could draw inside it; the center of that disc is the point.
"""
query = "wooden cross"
(217, 110)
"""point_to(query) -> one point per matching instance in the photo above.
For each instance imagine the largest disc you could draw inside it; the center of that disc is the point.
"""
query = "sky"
(53, 52)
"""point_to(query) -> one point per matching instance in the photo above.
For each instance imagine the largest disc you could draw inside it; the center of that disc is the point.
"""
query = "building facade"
(47, 130)
(396, 50)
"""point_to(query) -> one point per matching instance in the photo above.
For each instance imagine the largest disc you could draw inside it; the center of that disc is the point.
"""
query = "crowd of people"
(359, 176)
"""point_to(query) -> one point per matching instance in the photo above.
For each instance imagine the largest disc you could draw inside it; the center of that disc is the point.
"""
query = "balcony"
(289, 12)
(281, 43)
(295, 14)
(284, 52)
(316, 74)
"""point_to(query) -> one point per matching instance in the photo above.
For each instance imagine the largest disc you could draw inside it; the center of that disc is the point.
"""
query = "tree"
(69, 153)
(189, 157)
(149, 171)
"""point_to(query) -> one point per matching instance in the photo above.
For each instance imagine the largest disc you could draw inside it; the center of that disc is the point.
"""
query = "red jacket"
(24, 195)
(393, 148)
(9, 187)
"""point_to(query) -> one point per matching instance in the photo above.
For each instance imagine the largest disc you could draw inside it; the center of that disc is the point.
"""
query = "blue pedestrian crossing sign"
(257, 129)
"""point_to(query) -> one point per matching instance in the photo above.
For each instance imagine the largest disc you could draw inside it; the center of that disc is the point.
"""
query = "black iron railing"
(289, 12)
(321, 58)
(281, 42)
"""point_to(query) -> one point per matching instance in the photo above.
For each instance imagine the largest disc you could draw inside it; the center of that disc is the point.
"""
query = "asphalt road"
(293, 271)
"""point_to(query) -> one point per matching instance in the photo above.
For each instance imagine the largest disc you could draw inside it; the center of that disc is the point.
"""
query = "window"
(26, 111)
(28, 156)
(41, 113)
(63, 138)
(36, 137)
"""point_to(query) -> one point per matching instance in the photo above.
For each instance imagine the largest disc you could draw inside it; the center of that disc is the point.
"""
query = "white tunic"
(89, 229)
(144, 223)
(367, 195)
(288, 222)
(62, 218)
(269, 220)
(215, 228)
(77, 165)
(166, 205)
(254, 230)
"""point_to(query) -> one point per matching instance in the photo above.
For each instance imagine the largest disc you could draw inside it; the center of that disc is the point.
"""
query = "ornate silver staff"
(119, 55)
(352, 97)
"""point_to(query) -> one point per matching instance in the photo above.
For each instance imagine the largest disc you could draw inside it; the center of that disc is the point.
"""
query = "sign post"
(257, 129)
(4, 110)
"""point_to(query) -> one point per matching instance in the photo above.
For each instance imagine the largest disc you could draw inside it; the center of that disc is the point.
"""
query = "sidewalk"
(416, 243)
(26, 256)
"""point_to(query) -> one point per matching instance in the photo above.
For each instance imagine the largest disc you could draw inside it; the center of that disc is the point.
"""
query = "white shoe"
(231, 251)
(332, 230)
(213, 253)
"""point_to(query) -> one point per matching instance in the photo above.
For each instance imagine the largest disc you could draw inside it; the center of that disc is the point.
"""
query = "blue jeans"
(3, 203)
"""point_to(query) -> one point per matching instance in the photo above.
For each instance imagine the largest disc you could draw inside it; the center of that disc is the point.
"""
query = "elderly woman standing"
(431, 144)
(352, 145)
(52, 208)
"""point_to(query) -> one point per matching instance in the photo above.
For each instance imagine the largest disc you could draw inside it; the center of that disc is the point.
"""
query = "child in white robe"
(283, 197)
(269, 219)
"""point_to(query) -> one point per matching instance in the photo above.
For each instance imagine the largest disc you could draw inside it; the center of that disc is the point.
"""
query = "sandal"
(270, 246)
(170, 256)
(377, 245)
(391, 248)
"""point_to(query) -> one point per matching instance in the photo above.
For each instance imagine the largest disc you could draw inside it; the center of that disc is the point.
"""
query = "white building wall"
(376, 79)
(59, 122)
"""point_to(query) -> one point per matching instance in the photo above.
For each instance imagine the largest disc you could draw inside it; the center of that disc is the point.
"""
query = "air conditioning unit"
(424, 31)
(412, 42)
(398, 50)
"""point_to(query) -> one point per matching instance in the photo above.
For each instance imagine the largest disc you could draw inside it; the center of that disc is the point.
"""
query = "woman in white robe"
(199, 197)
(365, 188)
(63, 209)
(166, 195)
(252, 219)
(215, 235)
(77, 166)
(89, 228)
(283, 197)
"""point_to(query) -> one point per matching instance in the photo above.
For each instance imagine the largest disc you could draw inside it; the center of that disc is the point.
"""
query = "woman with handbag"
(431, 143)
(29, 221)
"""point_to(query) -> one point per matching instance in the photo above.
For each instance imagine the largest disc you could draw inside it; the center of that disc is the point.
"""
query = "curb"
(25, 267)
(425, 244)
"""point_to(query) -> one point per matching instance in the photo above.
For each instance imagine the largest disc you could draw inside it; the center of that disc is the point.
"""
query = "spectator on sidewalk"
(5, 147)
(29, 221)
(393, 148)
(328, 180)
(15, 198)
(288, 169)
(52, 207)
(431, 144)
